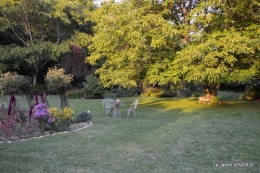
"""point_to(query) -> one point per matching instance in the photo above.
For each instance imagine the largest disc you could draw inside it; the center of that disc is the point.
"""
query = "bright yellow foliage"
(67, 113)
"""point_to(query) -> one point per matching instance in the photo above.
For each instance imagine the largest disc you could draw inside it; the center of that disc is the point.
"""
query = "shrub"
(121, 93)
(12, 82)
(56, 79)
(15, 120)
(156, 92)
(61, 118)
(93, 87)
(83, 117)
(75, 94)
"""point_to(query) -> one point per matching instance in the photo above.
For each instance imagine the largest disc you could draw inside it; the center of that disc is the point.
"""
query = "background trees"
(164, 42)
(36, 32)
(225, 48)
(136, 42)
(129, 37)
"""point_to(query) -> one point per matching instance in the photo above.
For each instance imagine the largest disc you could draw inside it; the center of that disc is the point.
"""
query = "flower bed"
(18, 124)
(73, 127)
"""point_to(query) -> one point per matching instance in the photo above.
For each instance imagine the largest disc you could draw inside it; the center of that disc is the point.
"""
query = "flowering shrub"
(41, 111)
(67, 113)
(15, 120)
(56, 79)
(61, 118)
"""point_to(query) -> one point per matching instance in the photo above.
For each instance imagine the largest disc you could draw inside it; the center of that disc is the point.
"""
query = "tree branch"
(14, 30)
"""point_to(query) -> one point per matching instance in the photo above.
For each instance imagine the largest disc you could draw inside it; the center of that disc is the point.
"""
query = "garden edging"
(65, 132)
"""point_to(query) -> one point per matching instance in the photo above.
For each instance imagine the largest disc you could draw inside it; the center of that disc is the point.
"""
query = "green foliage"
(93, 87)
(221, 53)
(156, 92)
(40, 88)
(132, 38)
(122, 93)
(209, 42)
(75, 94)
(40, 31)
(12, 82)
(83, 117)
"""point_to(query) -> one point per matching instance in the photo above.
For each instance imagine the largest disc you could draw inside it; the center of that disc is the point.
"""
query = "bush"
(12, 82)
(93, 87)
(156, 92)
(121, 93)
(56, 79)
(61, 119)
(75, 94)
(16, 121)
(83, 117)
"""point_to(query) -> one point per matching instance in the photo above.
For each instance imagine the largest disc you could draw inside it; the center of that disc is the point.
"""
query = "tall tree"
(39, 31)
(161, 42)
(129, 37)
(224, 48)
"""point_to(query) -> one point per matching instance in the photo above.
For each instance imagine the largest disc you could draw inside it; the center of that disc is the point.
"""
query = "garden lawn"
(169, 135)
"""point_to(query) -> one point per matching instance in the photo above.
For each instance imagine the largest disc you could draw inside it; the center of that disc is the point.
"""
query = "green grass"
(168, 135)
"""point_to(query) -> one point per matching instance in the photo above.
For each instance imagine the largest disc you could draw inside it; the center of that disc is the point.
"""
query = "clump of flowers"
(61, 119)
(15, 120)
(67, 113)
(42, 114)
(41, 111)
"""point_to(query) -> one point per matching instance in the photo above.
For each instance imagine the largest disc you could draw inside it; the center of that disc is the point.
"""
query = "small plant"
(93, 87)
(42, 114)
(61, 119)
(84, 117)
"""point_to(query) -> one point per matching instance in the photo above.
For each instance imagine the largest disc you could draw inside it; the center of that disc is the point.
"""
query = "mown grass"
(168, 135)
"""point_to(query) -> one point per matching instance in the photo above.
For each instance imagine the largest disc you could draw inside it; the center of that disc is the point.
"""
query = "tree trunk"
(211, 89)
(63, 98)
(34, 79)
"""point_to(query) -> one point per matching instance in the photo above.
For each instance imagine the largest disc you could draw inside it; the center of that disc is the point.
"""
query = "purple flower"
(11, 104)
(41, 111)
(51, 120)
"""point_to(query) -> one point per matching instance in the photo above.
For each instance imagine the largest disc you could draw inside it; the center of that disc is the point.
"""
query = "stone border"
(65, 132)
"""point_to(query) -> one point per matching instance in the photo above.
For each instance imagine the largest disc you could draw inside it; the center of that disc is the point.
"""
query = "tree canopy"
(169, 41)
(39, 31)
(129, 38)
